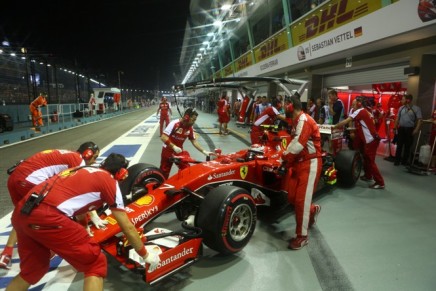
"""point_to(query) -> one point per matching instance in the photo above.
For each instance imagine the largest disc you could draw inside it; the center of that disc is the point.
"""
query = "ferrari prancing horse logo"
(243, 171)
(284, 143)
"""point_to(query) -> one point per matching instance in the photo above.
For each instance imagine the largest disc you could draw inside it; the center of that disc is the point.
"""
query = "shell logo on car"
(144, 201)
(243, 171)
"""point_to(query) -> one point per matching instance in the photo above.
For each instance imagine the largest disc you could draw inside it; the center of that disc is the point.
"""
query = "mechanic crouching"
(302, 158)
(43, 221)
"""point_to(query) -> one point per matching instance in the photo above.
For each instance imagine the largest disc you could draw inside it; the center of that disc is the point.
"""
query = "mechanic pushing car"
(35, 170)
(302, 158)
(267, 117)
(173, 138)
(43, 223)
(369, 141)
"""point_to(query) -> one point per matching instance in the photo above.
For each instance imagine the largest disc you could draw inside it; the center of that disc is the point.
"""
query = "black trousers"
(404, 142)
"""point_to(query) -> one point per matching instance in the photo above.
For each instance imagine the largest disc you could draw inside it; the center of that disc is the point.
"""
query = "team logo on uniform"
(284, 143)
(145, 200)
(243, 171)
(179, 131)
(67, 173)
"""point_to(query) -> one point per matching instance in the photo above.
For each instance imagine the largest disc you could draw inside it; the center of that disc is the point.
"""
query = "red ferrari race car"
(217, 201)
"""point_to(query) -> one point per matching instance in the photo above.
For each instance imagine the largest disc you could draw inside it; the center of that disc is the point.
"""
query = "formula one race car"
(217, 201)
(223, 195)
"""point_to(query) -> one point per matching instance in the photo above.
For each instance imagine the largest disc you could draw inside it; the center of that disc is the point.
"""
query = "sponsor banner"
(354, 35)
(244, 61)
(334, 15)
(228, 70)
(278, 43)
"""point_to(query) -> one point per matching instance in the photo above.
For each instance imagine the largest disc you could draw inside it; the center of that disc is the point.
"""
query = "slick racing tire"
(349, 165)
(227, 217)
(140, 175)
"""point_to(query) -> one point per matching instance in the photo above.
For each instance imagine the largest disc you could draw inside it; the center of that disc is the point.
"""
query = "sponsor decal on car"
(145, 215)
(173, 258)
(145, 200)
(243, 171)
(221, 175)
(111, 220)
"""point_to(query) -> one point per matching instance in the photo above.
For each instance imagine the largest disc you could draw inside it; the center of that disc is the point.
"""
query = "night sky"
(142, 38)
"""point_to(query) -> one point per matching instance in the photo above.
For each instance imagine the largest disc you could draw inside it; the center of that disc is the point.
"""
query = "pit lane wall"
(344, 25)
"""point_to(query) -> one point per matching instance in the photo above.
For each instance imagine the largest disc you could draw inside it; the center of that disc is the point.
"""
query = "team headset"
(122, 173)
(89, 152)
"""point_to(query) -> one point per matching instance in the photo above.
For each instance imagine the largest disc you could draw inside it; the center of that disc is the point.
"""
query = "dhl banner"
(228, 70)
(331, 16)
(273, 46)
(244, 61)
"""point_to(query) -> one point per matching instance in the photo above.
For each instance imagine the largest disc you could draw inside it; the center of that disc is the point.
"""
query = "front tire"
(140, 175)
(227, 217)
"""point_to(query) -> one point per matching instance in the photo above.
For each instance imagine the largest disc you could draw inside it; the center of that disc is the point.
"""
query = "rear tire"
(140, 175)
(349, 165)
(227, 217)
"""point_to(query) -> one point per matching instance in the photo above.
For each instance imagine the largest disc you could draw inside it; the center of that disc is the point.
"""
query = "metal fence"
(23, 78)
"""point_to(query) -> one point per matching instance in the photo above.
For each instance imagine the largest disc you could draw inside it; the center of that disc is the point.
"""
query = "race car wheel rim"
(240, 222)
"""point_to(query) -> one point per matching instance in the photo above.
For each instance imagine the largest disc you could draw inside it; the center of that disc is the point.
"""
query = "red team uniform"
(267, 117)
(303, 157)
(366, 132)
(177, 134)
(39, 168)
(223, 111)
(164, 108)
(70, 193)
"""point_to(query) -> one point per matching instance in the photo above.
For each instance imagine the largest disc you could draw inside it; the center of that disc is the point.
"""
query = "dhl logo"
(331, 16)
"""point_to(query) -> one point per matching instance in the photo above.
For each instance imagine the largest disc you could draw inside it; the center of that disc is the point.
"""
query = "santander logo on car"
(221, 175)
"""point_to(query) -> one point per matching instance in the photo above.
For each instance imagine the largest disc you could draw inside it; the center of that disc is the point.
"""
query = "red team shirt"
(178, 133)
(267, 117)
(38, 168)
(222, 106)
(164, 108)
(75, 191)
(306, 141)
(364, 121)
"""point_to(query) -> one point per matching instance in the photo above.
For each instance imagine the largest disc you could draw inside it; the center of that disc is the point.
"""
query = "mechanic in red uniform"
(35, 170)
(267, 117)
(365, 130)
(35, 110)
(302, 158)
(49, 225)
(164, 108)
(379, 115)
(223, 110)
(173, 138)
